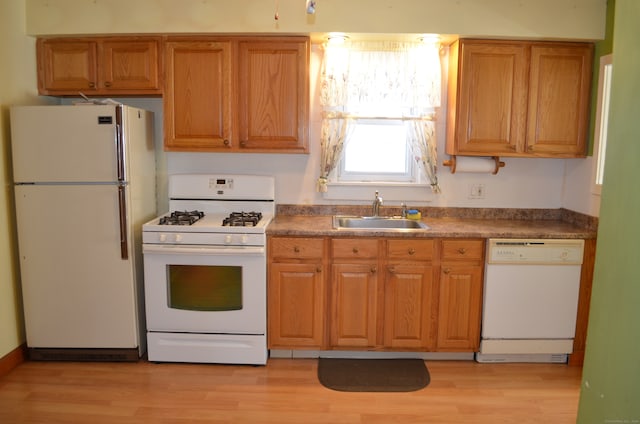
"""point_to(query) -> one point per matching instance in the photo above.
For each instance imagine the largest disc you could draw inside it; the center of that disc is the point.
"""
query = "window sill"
(400, 192)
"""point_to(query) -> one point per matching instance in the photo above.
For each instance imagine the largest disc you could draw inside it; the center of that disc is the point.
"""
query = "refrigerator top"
(72, 143)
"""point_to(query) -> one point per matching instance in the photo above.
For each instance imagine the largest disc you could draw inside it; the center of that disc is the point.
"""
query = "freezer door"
(78, 292)
(64, 143)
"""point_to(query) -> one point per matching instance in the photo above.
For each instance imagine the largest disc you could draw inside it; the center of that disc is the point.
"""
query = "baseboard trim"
(12, 359)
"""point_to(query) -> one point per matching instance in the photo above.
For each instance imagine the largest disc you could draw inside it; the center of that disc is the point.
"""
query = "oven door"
(205, 289)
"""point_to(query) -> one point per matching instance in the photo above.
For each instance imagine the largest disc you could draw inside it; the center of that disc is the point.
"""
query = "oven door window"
(204, 288)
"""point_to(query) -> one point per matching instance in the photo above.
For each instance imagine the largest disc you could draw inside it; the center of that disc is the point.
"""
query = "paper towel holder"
(452, 164)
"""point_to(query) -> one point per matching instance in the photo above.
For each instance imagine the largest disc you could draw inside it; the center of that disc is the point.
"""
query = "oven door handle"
(173, 249)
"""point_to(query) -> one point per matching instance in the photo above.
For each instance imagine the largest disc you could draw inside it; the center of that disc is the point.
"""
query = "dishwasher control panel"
(535, 251)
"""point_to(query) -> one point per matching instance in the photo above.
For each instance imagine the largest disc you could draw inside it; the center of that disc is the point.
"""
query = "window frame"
(601, 122)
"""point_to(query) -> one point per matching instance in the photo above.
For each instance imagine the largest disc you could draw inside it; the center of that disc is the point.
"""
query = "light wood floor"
(284, 391)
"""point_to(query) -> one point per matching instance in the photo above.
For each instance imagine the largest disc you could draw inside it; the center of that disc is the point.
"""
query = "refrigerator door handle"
(122, 208)
(120, 145)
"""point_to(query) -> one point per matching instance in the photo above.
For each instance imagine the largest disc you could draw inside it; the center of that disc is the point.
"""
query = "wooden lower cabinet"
(354, 293)
(381, 294)
(296, 293)
(460, 295)
(295, 305)
(408, 306)
(354, 303)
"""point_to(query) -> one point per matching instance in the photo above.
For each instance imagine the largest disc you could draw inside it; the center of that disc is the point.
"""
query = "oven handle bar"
(203, 250)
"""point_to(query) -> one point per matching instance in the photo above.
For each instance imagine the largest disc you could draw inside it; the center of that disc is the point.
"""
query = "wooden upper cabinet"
(130, 65)
(67, 66)
(237, 94)
(197, 95)
(517, 98)
(99, 66)
(274, 95)
(558, 112)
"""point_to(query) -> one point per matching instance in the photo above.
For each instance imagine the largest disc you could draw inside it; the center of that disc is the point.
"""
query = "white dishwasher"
(530, 300)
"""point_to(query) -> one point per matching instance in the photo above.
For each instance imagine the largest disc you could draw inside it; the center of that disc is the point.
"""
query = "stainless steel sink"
(377, 223)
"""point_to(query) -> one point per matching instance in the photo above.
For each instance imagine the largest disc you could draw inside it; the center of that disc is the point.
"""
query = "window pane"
(377, 148)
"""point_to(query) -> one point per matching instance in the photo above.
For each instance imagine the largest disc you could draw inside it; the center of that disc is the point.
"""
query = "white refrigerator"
(84, 183)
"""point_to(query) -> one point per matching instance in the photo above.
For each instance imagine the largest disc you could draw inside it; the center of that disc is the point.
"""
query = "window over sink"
(379, 104)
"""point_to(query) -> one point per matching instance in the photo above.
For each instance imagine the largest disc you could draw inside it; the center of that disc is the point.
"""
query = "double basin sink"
(377, 223)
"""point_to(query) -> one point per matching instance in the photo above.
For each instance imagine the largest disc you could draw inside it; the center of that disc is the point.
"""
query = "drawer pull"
(462, 250)
(411, 251)
(392, 270)
(319, 269)
(296, 249)
(447, 270)
(225, 142)
(373, 270)
(355, 250)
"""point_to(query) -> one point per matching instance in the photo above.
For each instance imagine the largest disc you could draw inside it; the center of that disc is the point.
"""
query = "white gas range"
(205, 270)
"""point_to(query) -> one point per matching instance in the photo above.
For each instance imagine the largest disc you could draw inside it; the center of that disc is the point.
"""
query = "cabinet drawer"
(413, 250)
(462, 249)
(354, 248)
(294, 247)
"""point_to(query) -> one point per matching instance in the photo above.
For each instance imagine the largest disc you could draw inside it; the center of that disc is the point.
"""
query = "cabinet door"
(197, 103)
(67, 66)
(459, 309)
(560, 82)
(296, 305)
(274, 95)
(131, 65)
(354, 302)
(489, 99)
(408, 306)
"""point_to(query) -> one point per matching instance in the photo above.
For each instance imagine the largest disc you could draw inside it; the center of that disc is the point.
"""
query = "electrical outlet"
(476, 191)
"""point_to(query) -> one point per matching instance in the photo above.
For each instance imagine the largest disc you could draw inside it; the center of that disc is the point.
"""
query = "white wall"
(559, 19)
(17, 86)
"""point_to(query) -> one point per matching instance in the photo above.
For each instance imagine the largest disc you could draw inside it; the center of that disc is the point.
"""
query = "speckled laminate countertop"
(514, 224)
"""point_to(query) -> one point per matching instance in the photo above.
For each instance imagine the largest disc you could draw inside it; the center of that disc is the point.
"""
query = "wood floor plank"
(282, 392)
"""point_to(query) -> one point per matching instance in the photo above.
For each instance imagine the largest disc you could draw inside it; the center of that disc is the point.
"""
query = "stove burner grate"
(181, 218)
(242, 219)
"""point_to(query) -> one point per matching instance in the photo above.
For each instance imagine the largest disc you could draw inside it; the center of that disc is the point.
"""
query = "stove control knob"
(227, 239)
(178, 238)
(245, 239)
(163, 238)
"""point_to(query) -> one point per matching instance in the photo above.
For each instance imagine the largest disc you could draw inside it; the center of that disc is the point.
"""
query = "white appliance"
(206, 270)
(530, 300)
(84, 185)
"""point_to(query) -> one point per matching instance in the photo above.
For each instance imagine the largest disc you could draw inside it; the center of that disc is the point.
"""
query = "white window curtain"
(380, 79)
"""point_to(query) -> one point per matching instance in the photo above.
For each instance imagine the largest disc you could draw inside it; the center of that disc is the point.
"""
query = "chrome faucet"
(377, 202)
